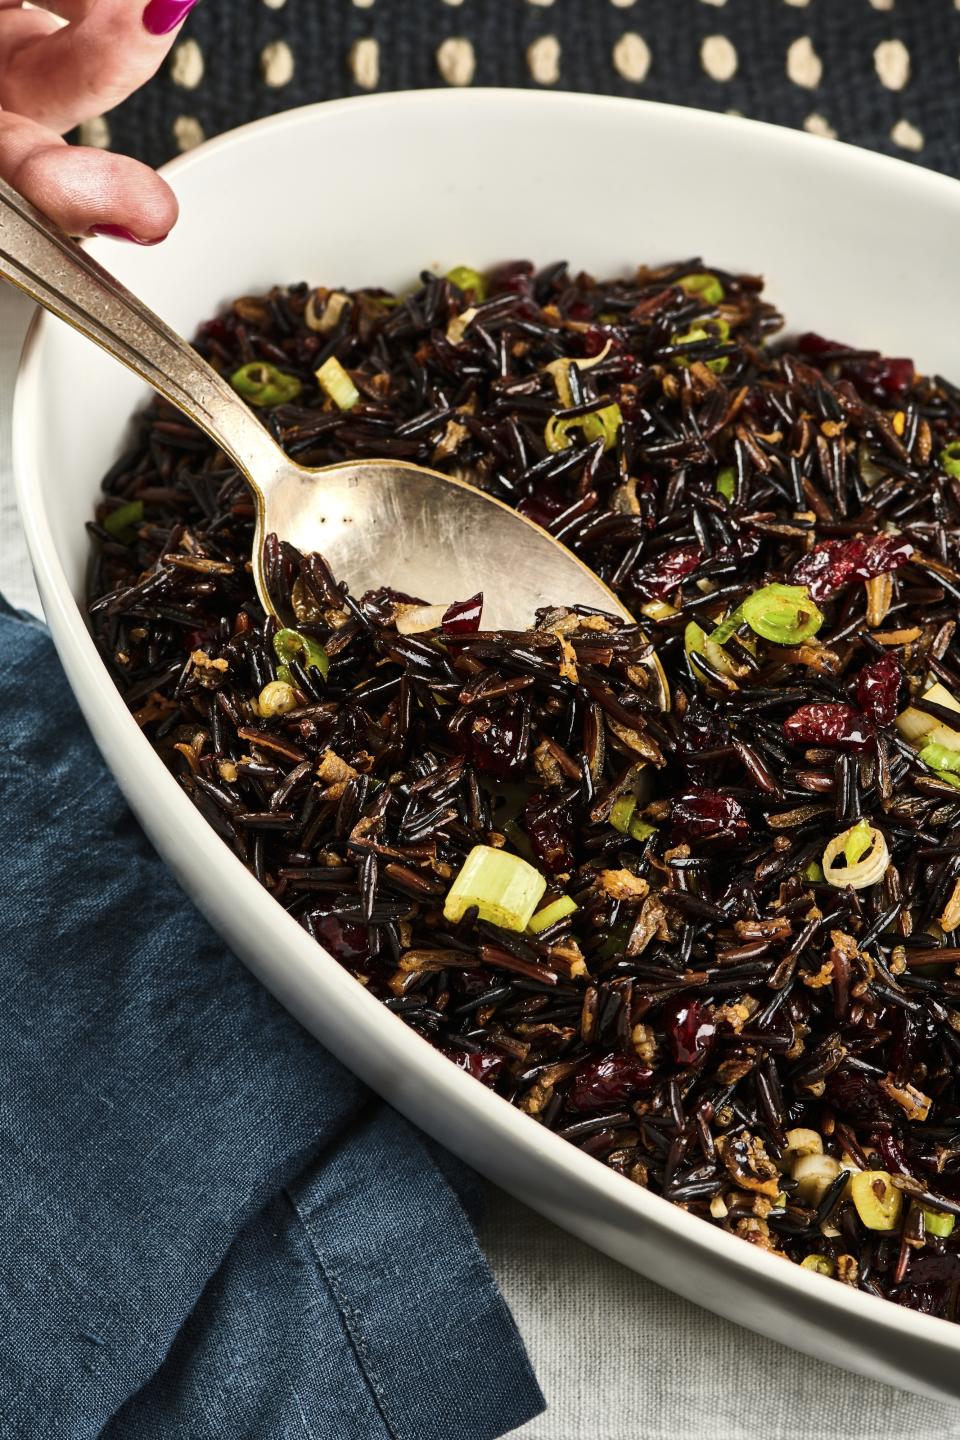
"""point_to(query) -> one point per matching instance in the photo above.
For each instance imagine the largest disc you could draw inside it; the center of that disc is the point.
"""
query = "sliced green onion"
(598, 425)
(466, 278)
(814, 873)
(784, 614)
(950, 459)
(504, 888)
(859, 839)
(822, 1264)
(285, 674)
(935, 1222)
(264, 384)
(641, 830)
(727, 482)
(120, 523)
(291, 645)
(622, 813)
(728, 627)
(716, 329)
(335, 382)
(550, 914)
(702, 284)
(939, 757)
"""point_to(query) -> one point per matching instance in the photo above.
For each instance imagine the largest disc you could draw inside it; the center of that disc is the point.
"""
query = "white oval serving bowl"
(370, 191)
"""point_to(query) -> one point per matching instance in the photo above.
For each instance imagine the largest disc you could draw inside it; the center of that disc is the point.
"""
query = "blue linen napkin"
(208, 1227)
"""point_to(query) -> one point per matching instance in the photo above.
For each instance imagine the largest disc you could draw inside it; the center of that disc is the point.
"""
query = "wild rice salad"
(684, 891)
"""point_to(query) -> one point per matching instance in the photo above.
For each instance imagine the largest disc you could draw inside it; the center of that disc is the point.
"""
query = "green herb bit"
(727, 483)
(504, 888)
(335, 382)
(550, 914)
(466, 279)
(784, 614)
(264, 384)
(622, 813)
(703, 284)
(950, 459)
(728, 627)
(935, 1222)
(598, 425)
(821, 1264)
(717, 329)
(939, 757)
(814, 873)
(291, 645)
(121, 523)
(641, 830)
(859, 840)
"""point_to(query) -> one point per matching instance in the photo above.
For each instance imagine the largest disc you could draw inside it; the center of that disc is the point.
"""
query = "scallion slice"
(703, 284)
(121, 523)
(784, 614)
(950, 459)
(335, 382)
(504, 888)
(727, 483)
(599, 424)
(550, 914)
(264, 385)
(622, 813)
(291, 645)
(467, 279)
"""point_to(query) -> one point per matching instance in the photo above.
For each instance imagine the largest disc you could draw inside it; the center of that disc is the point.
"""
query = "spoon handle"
(50, 267)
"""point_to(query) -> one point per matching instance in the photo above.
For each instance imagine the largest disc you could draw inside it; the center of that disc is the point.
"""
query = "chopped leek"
(598, 425)
(942, 760)
(727, 482)
(717, 329)
(858, 841)
(335, 382)
(264, 384)
(784, 614)
(291, 645)
(560, 370)
(820, 1264)
(120, 523)
(641, 830)
(814, 873)
(466, 278)
(935, 1222)
(504, 888)
(550, 914)
(622, 813)
(950, 459)
(703, 284)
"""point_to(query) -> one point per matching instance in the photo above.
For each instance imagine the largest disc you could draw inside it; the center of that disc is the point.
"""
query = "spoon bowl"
(376, 522)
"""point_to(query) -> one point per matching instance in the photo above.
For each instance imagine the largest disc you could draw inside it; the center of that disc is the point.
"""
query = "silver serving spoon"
(377, 522)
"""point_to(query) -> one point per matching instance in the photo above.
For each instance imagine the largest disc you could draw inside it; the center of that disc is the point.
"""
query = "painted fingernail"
(162, 16)
(120, 232)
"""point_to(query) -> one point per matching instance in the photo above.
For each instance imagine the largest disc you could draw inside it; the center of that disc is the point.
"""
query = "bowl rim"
(145, 772)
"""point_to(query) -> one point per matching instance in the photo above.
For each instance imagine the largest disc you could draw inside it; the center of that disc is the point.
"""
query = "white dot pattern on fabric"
(907, 136)
(543, 60)
(892, 61)
(186, 64)
(544, 3)
(276, 63)
(456, 61)
(715, 2)
(94, 131)
(363, 4)
(274, 4)
(888, 4)
(800, 4)
(625, 4)
(718, 57)
(816, 124)
(364, 62)
(188, 132)
(631, 57)
(804, 66)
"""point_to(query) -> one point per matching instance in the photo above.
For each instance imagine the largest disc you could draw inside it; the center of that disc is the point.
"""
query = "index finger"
(90, 65)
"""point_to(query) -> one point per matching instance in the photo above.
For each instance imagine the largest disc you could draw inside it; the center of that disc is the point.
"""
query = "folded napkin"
(208, 1227)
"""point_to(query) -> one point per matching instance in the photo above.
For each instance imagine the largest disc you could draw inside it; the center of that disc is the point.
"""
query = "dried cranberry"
(516, 277)
(607, 1081)
(544, 505)
(703, 814)
(580, 311)
(483, 1065)
(702, 729)
(659, 576)
(817, 345)
(346, 941)
(498, 742)
(595, 340)
(877, 687)
(689, 1036)
(549, 825)
(854, 1095)
(463, 617)
(835, 563)
(882, 379)
(828, 724)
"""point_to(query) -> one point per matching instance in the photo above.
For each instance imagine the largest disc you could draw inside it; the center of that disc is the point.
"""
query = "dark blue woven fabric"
(207, 1227)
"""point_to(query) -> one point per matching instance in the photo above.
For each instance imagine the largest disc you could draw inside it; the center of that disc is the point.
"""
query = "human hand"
(52, 77)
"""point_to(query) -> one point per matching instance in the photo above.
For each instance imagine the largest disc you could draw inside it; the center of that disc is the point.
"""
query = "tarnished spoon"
(377, 522)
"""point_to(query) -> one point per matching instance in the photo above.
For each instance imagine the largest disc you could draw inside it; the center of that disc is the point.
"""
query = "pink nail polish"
(120, 232)
(162, 16)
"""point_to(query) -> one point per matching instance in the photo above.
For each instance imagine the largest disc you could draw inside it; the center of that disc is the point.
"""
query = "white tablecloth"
(618, 1358)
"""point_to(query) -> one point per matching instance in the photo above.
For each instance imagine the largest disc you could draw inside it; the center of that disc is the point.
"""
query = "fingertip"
(83, 188)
